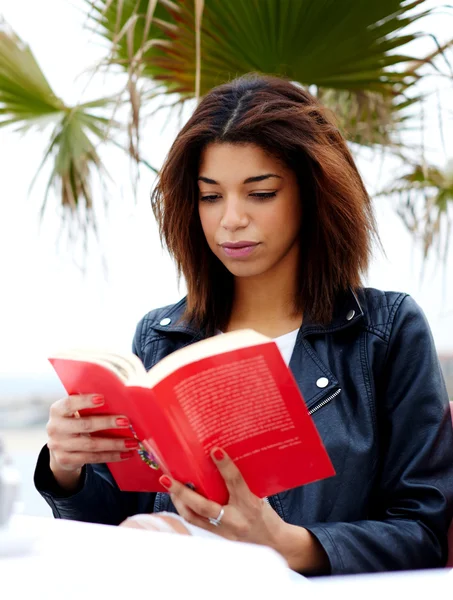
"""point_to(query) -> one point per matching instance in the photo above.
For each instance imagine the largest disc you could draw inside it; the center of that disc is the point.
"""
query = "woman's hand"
(247, 518)
(72, 440)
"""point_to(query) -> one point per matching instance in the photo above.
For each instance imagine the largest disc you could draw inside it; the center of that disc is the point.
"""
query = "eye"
(263, 195)
(209, 198)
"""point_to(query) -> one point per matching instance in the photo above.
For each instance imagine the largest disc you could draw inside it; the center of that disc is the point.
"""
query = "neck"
(266, 303)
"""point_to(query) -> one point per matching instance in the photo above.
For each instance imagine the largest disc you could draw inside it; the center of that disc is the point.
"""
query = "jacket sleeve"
(413, 503)
(98, 499)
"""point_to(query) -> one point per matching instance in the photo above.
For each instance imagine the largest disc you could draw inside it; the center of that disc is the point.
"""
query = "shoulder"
(386, 310)
(159, 322)
(171, 313)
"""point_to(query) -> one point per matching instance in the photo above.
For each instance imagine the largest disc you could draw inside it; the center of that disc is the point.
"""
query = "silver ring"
(216, 522)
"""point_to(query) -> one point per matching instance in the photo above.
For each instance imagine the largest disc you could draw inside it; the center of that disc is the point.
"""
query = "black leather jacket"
(384, 418)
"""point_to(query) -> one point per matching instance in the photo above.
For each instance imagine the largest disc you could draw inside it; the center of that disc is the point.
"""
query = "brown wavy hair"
(338, 224)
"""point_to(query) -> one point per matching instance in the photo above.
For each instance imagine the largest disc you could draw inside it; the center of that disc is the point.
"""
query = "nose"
(234, 216)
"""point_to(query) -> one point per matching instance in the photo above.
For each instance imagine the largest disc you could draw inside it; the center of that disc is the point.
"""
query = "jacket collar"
(347, 312)
(170, 320)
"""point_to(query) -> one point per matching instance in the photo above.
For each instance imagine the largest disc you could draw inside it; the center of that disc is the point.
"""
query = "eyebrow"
(248, 180)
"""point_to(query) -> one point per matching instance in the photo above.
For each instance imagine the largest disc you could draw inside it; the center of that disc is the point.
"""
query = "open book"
(233, 391)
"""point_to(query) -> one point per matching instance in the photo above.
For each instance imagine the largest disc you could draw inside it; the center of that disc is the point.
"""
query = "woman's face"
(250, 209)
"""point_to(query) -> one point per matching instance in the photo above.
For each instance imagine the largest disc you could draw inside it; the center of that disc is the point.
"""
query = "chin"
(244, 270)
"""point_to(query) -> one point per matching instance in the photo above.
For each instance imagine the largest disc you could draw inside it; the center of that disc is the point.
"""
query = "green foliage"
(28, 102)
(352, 49)
(348, 44)
(425, 196)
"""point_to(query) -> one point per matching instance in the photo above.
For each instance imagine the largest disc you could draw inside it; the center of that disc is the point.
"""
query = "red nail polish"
(125, 455)
(98, 399)
(122, 422)
(165, 481)
(218, 454)
(131, 444)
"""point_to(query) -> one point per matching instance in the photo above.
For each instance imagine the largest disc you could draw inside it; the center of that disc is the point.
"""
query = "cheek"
(208, 222)
(284, 219)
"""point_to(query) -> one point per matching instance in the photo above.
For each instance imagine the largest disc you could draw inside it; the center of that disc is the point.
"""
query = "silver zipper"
(324, 402)
(310, 412)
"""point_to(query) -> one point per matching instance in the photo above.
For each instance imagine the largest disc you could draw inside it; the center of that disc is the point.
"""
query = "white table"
(70, 560)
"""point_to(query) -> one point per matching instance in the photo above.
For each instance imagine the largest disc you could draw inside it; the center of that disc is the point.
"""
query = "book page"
(125, 367)
(129, 368)
(233, 402)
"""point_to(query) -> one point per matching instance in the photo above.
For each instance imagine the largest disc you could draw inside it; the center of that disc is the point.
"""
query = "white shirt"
(286, 344)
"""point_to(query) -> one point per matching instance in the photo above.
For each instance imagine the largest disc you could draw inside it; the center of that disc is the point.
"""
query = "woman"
(263, 209)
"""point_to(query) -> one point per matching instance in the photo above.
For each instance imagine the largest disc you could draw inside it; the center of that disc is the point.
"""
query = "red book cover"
(245, 401)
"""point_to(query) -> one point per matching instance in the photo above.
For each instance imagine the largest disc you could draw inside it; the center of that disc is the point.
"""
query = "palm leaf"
(27, 101)
(425, 203)
(352, 46)
(368, 118)
(25, 95)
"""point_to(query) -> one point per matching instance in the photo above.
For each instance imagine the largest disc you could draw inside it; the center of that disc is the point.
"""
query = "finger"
(92, 444)
(70, 459)
(66, 407)
(232, 476)
(88, 424)
(195, 502)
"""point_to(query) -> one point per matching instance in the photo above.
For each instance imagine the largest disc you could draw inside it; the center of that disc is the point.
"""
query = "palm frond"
(353, 50)
(368, 118)
(27, 101)
(199, 7)
(425, 205)
(25, 94)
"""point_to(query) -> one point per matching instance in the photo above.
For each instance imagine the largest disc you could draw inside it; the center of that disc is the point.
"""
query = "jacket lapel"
(313, 377)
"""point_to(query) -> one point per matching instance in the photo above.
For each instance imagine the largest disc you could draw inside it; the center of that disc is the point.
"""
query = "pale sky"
(48, 304)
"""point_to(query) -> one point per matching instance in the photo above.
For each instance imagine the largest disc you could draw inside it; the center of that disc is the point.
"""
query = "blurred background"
(92, 93)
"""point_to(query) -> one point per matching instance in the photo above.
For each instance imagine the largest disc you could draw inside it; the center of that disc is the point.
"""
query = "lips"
(235, 245)
(239, 249)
